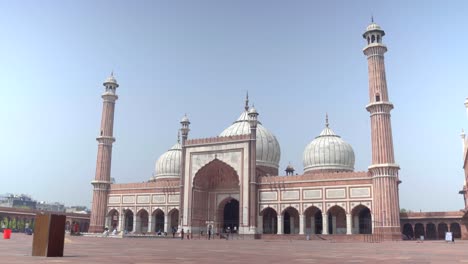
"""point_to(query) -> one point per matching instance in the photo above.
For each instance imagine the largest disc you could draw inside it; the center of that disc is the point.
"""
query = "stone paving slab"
(145, 251)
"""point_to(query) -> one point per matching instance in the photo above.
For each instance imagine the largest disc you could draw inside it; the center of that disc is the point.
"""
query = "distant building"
(17, 201)
(53, 207)
(78, 209)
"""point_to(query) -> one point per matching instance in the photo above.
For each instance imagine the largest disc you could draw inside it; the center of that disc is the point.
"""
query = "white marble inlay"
(312, 194)
(143, 199)
(159, 198)
(268, 196)
(114, 199)
(360, 192)
(128, 199)
(336, 193)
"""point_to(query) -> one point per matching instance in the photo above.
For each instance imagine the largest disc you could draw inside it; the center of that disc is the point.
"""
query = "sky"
(297, 59)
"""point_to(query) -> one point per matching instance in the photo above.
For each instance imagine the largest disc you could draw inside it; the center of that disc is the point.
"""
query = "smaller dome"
(111, 79)
(328, 152)
(373, 26)
(168, 165)
(185, 119)
(252, 110)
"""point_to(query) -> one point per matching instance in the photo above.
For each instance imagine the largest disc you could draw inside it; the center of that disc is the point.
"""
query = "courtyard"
(160, 250)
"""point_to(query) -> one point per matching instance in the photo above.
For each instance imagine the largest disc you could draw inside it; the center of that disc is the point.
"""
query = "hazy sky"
(297, 59)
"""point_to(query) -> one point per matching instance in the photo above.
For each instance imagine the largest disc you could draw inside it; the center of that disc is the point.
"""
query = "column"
(324, 224)
(260, 224)
(121, 222)
(136, 221)
(166, 223)
(150, 223)
(312, 225)
(280, 225)
(108, 222)
(291, 225)
(356, 225)
(333, 224)
(301, 224)
(348, 224)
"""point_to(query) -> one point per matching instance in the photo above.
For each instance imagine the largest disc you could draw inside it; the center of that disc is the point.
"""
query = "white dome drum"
(168, 165)
(268, 149)
(328, 153)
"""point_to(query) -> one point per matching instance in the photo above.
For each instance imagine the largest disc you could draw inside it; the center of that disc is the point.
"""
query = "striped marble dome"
(328, 152)
(168, 165)
(268, 149)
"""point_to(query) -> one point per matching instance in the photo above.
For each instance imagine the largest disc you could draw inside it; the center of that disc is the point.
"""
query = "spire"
(372, 18)
(247, 102)
(326, 120)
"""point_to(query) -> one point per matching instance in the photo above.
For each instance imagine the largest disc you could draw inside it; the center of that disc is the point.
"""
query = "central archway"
(215, 197)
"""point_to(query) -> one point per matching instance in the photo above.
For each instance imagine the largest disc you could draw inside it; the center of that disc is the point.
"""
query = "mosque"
(231, 181)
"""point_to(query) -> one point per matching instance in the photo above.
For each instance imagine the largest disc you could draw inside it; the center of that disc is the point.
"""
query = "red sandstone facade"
(231, 182)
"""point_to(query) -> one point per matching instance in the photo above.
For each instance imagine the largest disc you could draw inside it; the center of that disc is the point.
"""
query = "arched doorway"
(158, 221)
(362, 220)
(431, 231)
(173, 218)
(113, 217)
(128, 221)
(455, 229)
(142, 217)
(270, 219)
(313, 219)
(290, 221)
(442, 228)
(336, 220)
(419, 230)
(229, 217)
(214, 186)
(408, 231)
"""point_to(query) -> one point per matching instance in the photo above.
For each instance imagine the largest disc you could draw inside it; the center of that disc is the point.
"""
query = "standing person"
(188, 234)
(173, 232)
(182, 234)
(209, 233)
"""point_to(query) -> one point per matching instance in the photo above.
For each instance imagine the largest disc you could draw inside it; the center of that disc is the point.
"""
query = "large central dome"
(268, 149)
(328, 152)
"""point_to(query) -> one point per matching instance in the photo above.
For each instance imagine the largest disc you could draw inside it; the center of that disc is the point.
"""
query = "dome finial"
(247, 102)
(326, 120)
(372, 18)
(178, 136)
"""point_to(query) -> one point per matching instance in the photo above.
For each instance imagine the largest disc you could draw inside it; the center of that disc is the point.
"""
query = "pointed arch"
(216, 173)
(290, 220)
(313, 220)
(336, 220)
(361, 221)
(270, 220)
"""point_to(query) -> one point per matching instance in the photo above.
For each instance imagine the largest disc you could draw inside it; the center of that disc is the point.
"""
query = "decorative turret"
(289, 170)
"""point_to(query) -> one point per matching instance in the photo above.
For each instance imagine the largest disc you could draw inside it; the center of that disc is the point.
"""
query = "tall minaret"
(183, 215)
(253, 201)
(101, 181)
(384, 170)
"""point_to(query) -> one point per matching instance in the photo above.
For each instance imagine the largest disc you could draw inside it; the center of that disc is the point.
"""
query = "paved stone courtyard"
(158, 250)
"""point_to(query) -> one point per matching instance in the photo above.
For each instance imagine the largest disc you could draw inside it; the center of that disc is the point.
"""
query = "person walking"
(182, 234)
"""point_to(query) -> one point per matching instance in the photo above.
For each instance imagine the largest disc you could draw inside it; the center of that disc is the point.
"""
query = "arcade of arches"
(313, 221)
(431, 230)
(142, 221)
